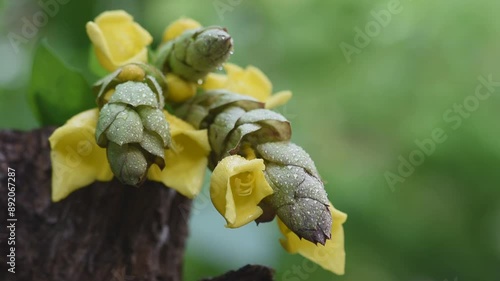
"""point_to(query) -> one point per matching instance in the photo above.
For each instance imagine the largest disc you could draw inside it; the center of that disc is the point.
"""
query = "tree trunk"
(105, 231)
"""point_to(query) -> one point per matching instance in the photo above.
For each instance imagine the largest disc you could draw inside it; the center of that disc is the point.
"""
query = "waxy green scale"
(298, 190)
(131, 125)
(236, 122)
(195, 53)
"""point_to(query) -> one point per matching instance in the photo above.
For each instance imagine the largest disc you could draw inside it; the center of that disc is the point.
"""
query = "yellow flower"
(118, 40)
(77, 160)
(237, 185)
(250, 81)
(179, 90)
(178, 27)
(330, 256)
(186, 163)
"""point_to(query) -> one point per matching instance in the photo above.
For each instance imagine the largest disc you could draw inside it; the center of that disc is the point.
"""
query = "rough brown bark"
(246, 273)
(106, 231)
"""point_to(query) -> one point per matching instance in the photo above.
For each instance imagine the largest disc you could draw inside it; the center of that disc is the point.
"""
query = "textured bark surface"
(106, 231)
(246, 273)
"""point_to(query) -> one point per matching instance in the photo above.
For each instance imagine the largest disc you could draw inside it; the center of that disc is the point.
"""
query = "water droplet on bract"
(231, 52)
(200, 81)
(219, 68)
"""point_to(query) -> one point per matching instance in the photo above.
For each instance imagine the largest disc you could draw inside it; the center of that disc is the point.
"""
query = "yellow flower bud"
(250, 81)
(237, 186)
(330, 256)
(118, 40)
(132, 72)
(178, 27)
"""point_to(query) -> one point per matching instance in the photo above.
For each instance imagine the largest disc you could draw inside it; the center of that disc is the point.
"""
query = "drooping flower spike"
(241, 131)
(145, 141)
(131, 125)
(239, 125)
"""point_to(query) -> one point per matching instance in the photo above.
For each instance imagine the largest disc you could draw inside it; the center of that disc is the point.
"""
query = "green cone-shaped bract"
(236, 123)
(195, 53)
(299, 198)
(131, 125)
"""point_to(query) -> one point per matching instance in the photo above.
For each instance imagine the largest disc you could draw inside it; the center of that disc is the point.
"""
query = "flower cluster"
(219, 121)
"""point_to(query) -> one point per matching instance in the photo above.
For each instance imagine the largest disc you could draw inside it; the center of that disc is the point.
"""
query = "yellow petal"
(258, 83)
(237, 186)
(100, 45)
(234, 71)
(118, 40)
(278, 99)
(249, 81)
(330, 256)
(186, 162)
(178, 27)
(113, 16)
(77, 161)
(179, 90)
(214, 81)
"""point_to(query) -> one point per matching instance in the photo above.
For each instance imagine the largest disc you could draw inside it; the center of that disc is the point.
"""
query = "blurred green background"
(356, 116)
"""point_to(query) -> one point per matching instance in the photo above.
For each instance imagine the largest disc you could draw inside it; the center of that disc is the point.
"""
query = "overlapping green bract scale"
(154, 79)
(195, 53)
(131, 120)
(131, 125)
(300, 199)
(236, 122)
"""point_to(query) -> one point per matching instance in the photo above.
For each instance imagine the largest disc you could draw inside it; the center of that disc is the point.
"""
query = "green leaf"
(57, 92)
